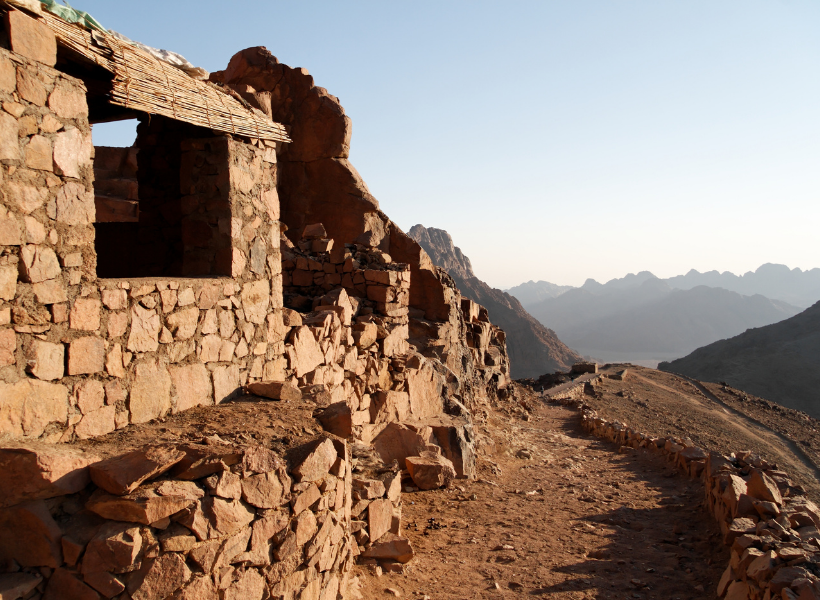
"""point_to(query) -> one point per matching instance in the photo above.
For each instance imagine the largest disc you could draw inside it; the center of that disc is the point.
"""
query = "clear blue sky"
(556, 140)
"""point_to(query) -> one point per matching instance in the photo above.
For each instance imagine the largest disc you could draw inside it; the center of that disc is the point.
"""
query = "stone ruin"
(235, 256)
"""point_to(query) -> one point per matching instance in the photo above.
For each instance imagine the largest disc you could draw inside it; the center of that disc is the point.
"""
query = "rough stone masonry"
(191, 270)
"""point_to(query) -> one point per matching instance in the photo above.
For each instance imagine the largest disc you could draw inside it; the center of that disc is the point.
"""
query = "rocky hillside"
(780, 362)
(533, 348)
(642, 318)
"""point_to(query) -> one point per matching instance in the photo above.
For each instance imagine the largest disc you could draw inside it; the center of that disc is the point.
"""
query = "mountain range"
(642, 319)
(778, 282)
(780, 362)
(533, 348)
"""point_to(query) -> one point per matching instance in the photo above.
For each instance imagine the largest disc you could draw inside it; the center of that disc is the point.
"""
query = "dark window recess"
(146, 226)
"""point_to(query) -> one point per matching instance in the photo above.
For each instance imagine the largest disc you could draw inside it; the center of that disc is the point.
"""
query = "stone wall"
(191, 521)
(82, 356)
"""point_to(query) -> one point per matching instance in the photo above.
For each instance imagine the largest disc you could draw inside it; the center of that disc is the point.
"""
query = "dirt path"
(558, 514)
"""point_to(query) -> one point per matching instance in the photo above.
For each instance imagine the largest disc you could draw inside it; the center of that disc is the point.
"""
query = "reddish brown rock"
(267, 527)
(275, 390)
(315, 460)
(249, 586)
(199, 588)
(162, 578)
(64, 585)
(228, 516)
(183, 323)
(379, 518)
(337, 419)
(225, 485)
(17, 585)
(143, 506)
(305, 528)
(305, 354)
(39, 153)
(151, 392)
(264, 491)
(367, 489)
(85, 314)
(123, 474)
(72, 150)
(232, 547)
(302, 501)
(762, 487)
(39, 471)
(201, 461)
(29, 536)
(96, 423)
(365, 335)
(398, 441)
(738, 527)
(193, 386)
(105, 583)
(86, 355)
(391, 547)
(39, 263)
(430, 471)
(30, 405)
(389, 407)
(32, 38)
(115, 547)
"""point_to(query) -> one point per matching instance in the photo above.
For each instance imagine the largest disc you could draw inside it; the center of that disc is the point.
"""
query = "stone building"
(232, 250)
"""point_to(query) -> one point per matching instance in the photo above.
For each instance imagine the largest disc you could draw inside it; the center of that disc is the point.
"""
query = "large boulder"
(430, 471)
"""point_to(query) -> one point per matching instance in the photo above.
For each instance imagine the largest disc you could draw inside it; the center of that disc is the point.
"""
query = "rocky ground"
(556, 513)
(664, 404)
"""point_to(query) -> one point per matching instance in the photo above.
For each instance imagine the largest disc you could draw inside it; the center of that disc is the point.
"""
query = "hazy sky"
(556, 140)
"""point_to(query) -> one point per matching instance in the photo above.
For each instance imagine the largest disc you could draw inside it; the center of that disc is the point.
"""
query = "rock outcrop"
(533, 348)
(779, 362)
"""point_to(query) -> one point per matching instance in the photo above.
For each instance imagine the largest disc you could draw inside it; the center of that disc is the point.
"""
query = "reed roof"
(142, 82)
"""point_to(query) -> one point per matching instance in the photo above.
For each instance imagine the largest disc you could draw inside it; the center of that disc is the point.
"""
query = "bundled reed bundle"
(142, 82)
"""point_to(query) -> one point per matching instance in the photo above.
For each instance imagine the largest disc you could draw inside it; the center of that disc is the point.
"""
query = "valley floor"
(556, 513)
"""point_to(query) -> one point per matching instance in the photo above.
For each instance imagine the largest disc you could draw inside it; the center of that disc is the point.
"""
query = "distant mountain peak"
(439, 245)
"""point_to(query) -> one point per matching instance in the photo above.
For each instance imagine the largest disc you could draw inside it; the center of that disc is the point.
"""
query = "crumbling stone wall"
(200, 521)
(375, 374)
(318, 184)
(81, 356)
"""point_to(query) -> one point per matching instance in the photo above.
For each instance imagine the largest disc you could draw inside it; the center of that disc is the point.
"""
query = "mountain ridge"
(795, 286)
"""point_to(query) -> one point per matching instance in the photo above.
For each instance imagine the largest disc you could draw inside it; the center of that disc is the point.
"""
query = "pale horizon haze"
(554, 140)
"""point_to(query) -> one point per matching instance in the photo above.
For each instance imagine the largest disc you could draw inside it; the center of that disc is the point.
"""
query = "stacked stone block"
(191, 521)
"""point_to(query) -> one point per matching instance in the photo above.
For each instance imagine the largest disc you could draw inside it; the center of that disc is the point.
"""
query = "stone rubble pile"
(771, 526)
(198, 521)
